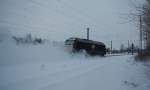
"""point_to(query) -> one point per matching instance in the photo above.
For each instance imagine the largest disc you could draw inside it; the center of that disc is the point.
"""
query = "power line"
(58, 11)
(90, 20)
(81, 13)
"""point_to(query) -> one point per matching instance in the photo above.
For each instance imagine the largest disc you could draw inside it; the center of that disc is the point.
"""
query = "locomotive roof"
(87, 41)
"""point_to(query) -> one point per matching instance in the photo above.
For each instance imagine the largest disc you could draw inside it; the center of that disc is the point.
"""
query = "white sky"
(61, 19)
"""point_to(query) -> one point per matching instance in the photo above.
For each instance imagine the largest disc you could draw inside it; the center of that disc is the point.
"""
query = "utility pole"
(111, 46)
(141, 34)
(132, 48)
(88, 29)
(128, 47)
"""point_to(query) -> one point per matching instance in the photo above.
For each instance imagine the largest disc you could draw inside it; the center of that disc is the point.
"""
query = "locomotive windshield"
(69, 42)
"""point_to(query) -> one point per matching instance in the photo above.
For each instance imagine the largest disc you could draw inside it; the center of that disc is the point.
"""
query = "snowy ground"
(49, 67)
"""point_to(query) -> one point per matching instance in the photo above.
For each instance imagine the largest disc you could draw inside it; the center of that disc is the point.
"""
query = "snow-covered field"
(49, 67)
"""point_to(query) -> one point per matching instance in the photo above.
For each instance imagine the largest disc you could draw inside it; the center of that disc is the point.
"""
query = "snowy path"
(34, 76)
(108, 73)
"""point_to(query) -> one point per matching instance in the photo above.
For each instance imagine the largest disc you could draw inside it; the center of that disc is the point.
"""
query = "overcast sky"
(61, 19)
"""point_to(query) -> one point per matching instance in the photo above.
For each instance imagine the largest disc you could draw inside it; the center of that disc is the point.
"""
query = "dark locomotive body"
(91, 47)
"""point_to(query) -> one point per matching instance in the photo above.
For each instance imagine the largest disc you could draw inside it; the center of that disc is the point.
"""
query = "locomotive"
(90, 46)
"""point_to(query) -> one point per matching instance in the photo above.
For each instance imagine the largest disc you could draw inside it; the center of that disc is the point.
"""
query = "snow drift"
(49, 67)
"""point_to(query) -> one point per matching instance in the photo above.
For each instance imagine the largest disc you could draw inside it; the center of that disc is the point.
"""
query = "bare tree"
(146, 24)
(143, 16)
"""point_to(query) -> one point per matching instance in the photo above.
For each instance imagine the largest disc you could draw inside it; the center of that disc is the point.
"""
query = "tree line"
(28, 39)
